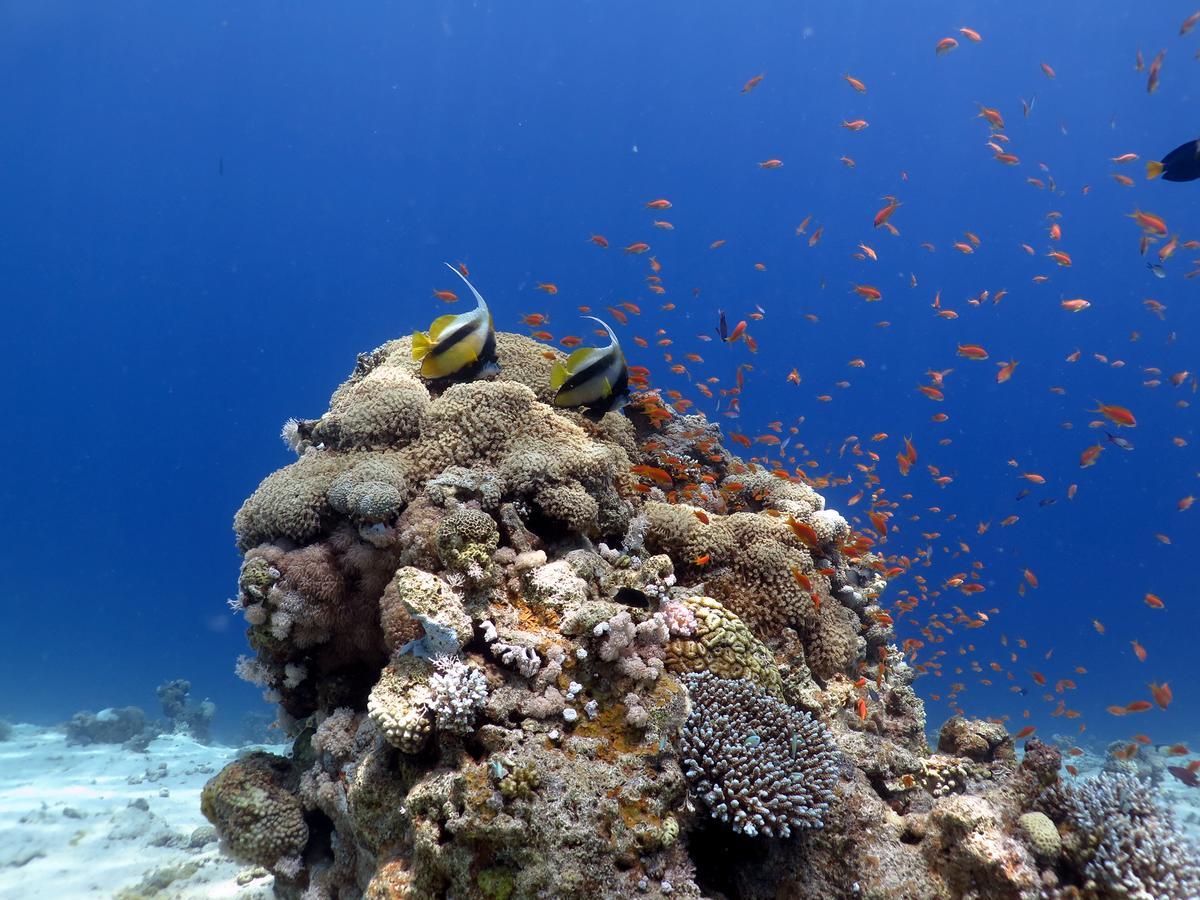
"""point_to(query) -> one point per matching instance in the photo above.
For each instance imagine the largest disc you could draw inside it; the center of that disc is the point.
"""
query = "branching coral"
(758, 764)
(1127, 841)
(457, 691)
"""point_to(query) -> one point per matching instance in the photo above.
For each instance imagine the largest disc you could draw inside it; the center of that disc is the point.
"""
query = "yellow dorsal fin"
(440, 324)
(421, 345)
(607, 391)
(558, 376)
(579, 358)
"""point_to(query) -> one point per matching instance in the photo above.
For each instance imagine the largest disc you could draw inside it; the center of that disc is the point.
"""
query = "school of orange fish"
(878, 528)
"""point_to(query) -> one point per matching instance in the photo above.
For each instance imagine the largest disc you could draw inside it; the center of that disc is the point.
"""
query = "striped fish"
(594, 378)
(463, 344)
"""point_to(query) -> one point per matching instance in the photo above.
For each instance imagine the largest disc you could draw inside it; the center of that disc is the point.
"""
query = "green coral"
(254, 811)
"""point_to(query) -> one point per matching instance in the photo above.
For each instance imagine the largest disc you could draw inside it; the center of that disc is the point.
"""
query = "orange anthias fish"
(770, 164)
(1118, 415)
(659, 204)
(1162, 695)
(1149, 222)
(884, 214)
(855, 83)
(752, 84)
(972, 351)
(639, 247)
(867, 292)
(945, 45)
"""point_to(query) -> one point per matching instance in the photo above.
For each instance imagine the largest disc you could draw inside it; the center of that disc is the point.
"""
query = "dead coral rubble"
(522, 654)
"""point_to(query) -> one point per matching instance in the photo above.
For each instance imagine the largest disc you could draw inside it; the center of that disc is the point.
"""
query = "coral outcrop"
(523, 654)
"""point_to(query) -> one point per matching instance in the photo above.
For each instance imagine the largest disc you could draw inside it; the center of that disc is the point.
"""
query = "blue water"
(209, 211)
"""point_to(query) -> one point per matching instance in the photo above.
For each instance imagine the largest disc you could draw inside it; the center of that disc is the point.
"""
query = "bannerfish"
(594, 378)
(463, 344)
(1181, 164)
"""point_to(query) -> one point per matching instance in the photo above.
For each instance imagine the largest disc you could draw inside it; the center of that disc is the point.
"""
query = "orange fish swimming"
(855, 83)
(1118, 415)
(1162, 695)
(752, 84)
(770, 164)
(638, 247)
(972, 351)
(945, 45)
(1149, 222)
(659, 204)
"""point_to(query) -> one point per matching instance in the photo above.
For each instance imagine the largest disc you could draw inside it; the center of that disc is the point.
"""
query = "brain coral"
(757, 763)
(722, 644)
(254, 808)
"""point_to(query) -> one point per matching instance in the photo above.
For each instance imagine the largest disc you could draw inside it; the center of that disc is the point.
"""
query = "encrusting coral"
(522, 654)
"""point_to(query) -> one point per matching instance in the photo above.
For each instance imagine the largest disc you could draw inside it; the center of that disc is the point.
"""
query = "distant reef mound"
(523, 654)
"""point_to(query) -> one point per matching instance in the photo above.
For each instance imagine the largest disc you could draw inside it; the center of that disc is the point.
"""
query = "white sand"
(67, 828)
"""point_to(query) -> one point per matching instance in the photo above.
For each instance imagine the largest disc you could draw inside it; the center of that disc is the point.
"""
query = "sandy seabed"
(101, 821)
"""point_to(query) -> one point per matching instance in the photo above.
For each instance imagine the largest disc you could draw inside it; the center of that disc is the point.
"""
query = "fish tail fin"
(1153, 169)
(421, 345)
(558, 375)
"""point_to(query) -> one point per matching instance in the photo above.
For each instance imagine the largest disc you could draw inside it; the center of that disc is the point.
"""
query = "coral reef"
(524, 654)
(173, 697)
(1122, 840)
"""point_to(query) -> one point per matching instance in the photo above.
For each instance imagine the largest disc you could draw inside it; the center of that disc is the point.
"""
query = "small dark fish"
(1181, 164)
(1119, 441)
(1023, 493)
(1156, 270)
(723, 326)
(1184, 774)
(631, 597)
(1048, 501)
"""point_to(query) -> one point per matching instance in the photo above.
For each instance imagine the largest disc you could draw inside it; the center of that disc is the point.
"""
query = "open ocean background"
(209, 209)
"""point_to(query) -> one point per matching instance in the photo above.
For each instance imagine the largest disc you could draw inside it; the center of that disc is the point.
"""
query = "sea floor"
(101, 821)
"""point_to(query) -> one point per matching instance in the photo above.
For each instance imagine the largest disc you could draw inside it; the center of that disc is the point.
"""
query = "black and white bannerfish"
(463, 344)
(594, 378)
(1181, 164)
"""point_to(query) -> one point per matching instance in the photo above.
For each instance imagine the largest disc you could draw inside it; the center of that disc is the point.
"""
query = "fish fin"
(606, 390)
(421, 345)
(478, 297)
(1154, 169)
(440, 324)
(558, 375)
(578, 359)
